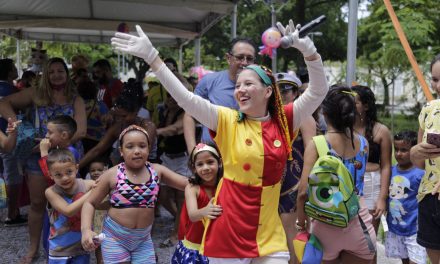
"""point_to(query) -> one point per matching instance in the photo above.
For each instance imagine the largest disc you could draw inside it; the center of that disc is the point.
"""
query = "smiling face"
(251, 94)
(134, 149)
(242, 55)
(206, 167)
(57, 74)
(64, 174)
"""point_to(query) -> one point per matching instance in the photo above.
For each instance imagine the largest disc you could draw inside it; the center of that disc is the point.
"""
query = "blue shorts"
(183, 255)
(11, 174)
(81, 259)
(123, 244)
(31, 165)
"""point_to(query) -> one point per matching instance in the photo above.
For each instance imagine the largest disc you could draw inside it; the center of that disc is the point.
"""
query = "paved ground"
(14, 241)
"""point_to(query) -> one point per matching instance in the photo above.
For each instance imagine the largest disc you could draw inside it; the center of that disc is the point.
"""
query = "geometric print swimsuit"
(128, 195)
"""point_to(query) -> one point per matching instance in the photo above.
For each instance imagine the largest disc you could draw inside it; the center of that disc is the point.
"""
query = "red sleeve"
(43, 165)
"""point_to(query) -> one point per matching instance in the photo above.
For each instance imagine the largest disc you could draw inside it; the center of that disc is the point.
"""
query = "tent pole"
(351, 42)
(197, 42)
(18, 61)
(234, 22)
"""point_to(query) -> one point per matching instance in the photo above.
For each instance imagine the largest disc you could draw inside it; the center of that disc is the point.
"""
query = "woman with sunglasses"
(254, 141)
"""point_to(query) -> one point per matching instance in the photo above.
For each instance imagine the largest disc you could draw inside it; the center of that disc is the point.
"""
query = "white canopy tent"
(167, 22)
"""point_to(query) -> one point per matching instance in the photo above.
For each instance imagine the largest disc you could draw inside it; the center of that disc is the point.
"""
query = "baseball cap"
(287, 81)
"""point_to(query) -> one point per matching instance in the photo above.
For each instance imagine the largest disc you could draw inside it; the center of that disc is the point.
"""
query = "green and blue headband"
(261, 73)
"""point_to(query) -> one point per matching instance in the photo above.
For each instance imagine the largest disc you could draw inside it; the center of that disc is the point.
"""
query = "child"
(127, 225)
(206, 165)
(65, 199)
(401, 238)
(60, 131)
(96, 169)
(355, 243)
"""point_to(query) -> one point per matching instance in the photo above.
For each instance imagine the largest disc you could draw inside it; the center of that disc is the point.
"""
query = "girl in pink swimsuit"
(133, 186)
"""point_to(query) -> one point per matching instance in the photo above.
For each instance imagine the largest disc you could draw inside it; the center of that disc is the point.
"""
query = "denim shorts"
(428, 234)
(31, 165)
(11, 174)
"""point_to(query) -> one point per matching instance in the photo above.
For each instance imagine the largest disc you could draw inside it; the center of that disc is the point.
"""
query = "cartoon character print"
(326, 194)
(398, 190)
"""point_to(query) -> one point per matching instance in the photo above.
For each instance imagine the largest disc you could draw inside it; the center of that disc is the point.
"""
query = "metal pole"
(119, 65)
(234, 22)
(18, 62)
(274, 20)
(351, 43)
(392, 107)
(197, 43)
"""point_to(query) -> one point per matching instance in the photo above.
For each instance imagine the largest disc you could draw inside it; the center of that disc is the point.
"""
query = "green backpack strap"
(321, 145)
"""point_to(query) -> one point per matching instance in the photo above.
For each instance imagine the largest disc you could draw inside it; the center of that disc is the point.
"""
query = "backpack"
(331, 191)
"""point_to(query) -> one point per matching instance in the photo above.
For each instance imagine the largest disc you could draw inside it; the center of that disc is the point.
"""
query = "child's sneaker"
(17, 221)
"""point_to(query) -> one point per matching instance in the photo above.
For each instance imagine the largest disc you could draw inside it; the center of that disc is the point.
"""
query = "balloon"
(199, 71)
(271, 39)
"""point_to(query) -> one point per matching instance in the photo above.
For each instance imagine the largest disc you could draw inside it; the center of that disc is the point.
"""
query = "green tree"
(379, 48)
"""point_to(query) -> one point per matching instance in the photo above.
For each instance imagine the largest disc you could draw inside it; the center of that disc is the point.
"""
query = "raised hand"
(137, 46)
(304, 45)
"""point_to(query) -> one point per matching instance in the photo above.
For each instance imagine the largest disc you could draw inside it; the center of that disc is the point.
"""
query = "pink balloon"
(271, 39)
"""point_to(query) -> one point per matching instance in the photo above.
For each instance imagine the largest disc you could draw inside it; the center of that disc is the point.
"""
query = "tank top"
(173, 144)
(65, 232)
(126, 194)
(357, 164)
(374, 154)
(193, 231)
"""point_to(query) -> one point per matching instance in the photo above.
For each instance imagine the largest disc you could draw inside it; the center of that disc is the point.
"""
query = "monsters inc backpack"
(331, 191)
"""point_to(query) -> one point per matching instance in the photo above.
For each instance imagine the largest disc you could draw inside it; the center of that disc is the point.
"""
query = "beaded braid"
(280, 114)
(282, 121)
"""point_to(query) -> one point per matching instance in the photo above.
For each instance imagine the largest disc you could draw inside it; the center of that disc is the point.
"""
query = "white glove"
(138, 46)
(304, 45)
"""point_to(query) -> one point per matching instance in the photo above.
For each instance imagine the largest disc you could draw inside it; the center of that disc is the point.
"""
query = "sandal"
(166, 243)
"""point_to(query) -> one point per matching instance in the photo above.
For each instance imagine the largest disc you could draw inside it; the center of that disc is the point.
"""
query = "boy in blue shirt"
(400, 241)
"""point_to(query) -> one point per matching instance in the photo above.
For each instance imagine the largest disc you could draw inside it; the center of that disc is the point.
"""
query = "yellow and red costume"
(254, 156)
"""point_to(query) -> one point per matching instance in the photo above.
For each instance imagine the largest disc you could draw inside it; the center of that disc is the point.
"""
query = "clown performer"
(254, 141)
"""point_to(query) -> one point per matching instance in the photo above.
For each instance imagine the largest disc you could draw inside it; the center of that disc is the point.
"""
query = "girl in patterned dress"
(207, 166)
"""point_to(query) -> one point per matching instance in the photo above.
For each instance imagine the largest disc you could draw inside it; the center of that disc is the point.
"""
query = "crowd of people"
(104, 157)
